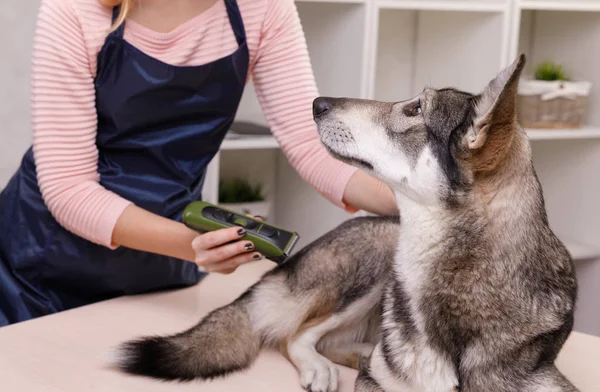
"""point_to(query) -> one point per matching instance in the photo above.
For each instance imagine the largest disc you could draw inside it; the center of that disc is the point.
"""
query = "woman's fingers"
(219, 237)
(230, 265)
(216, 238)
(224, 250)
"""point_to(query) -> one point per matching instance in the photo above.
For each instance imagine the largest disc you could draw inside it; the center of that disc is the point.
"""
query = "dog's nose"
(320, 106)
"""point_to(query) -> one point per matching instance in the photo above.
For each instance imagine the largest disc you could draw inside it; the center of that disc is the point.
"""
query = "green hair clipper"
(272, 242)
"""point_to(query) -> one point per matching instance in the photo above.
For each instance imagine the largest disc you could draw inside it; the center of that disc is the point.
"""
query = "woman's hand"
(223, 250)
(219, 251)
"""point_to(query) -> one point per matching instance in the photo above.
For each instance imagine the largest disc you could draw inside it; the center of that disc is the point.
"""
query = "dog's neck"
(422, 230)
(504, 206)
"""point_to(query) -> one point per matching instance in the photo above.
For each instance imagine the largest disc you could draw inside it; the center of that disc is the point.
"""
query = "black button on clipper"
(268, 231)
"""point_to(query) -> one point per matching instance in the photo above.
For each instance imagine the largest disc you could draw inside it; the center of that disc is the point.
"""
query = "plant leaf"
(239, 190)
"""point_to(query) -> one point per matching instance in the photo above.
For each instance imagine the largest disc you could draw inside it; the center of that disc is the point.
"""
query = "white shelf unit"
(567, 161)
(392, 49)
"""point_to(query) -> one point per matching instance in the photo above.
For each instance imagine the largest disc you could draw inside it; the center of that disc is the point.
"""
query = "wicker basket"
(553, 105)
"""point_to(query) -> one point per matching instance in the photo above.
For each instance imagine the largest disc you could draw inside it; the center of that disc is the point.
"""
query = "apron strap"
(115, 15)
(235, 18)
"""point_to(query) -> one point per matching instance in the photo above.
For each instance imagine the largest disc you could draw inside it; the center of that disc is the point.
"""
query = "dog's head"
(431, 147)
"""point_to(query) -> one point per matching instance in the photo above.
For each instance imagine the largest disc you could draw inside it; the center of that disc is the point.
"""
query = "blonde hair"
(126, 7)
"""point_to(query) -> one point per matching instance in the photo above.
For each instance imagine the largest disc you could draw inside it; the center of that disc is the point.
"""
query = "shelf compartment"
(574, 45)
(254, 165)
(445, 5)
(426, 48)
(335, 33)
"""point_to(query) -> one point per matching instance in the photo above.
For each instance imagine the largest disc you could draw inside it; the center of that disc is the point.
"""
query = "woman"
(125, 120)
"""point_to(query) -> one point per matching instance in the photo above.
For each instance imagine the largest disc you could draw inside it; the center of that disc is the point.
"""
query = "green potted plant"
(551, 100)
(241, 195)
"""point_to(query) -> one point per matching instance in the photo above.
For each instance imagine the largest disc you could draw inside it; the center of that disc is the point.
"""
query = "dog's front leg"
(317, 373)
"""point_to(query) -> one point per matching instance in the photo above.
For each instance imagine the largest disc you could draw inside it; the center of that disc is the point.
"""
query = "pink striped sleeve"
(65, 126)
(285, 88)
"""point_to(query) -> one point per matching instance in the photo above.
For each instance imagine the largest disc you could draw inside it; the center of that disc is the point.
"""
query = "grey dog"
(471, 291)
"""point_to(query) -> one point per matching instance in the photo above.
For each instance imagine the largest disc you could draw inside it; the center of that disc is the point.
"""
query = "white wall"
(17, 24)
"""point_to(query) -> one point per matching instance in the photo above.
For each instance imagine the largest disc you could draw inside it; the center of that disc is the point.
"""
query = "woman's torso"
(158, 125)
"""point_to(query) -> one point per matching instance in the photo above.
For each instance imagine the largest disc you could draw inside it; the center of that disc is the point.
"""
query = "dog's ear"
(496, 118)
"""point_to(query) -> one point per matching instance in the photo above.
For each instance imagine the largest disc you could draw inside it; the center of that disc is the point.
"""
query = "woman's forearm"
(367, 193)
(142, 230)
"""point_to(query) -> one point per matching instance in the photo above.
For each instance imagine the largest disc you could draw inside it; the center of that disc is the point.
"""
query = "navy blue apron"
(159, 126)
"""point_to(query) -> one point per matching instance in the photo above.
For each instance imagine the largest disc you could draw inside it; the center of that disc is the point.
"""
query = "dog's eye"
(413, 110)
(416, 110)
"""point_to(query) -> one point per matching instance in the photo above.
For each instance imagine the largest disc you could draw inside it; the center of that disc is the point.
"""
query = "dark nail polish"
(241, 231)
(249, 246)
(256, 257)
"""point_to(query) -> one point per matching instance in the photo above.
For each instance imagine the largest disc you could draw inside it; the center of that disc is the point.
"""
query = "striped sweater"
(68, 37)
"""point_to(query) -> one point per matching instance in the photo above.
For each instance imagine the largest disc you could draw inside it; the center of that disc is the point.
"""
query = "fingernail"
(249, 246)
(257, 257)
(241, 231)
(202, 269)
(259, 217)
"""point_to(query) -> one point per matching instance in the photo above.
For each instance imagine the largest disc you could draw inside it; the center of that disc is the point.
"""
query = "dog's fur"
(472, 292)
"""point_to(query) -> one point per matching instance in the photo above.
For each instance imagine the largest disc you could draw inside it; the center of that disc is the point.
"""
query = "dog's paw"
(319, 376)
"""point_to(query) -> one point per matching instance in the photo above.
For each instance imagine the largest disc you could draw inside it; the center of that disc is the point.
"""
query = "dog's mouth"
(334, 135)
(349, 159)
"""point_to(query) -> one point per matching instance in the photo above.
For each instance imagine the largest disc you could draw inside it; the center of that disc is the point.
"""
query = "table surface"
(67, 351)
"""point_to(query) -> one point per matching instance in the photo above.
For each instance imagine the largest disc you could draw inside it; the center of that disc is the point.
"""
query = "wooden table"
(67, 351)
